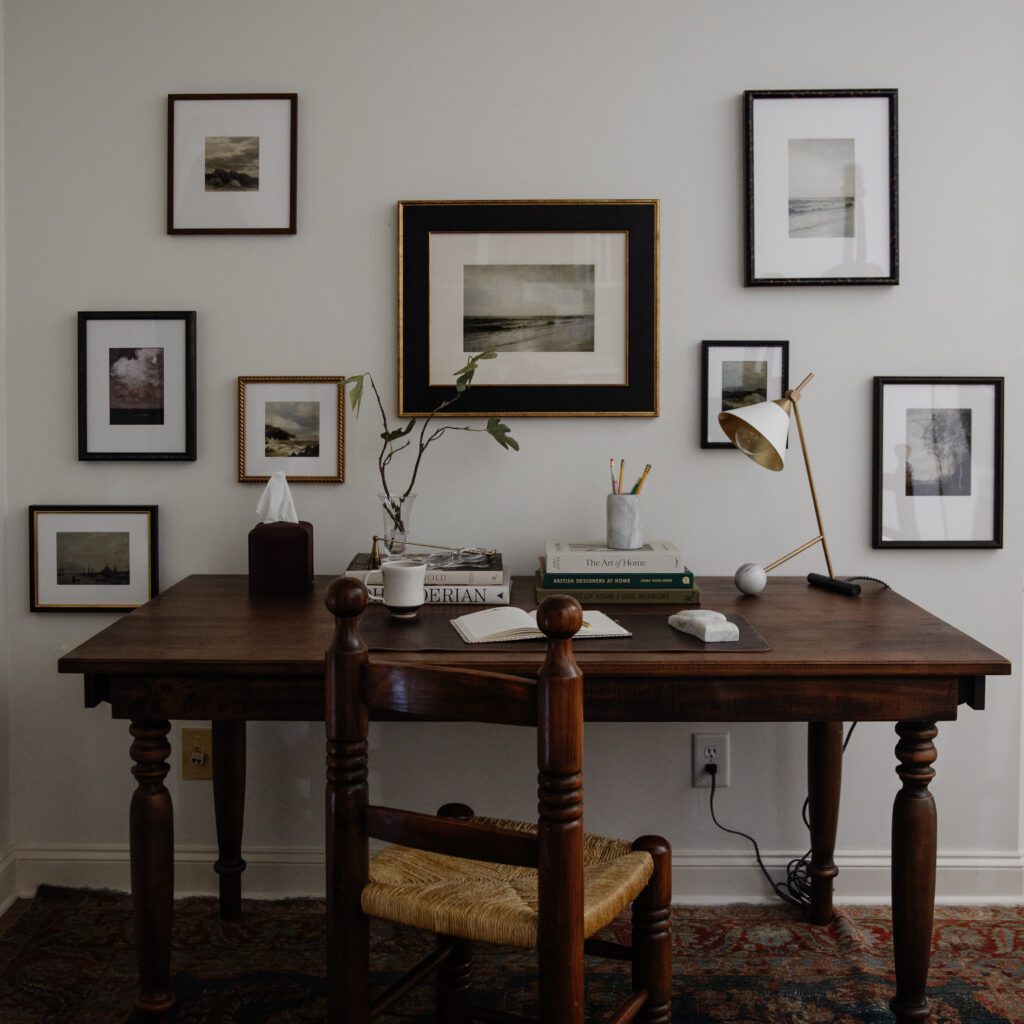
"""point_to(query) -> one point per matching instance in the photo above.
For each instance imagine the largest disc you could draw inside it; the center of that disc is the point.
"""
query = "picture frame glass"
(739, 374)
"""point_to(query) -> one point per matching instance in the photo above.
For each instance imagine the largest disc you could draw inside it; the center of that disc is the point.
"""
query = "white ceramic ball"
(750, 578)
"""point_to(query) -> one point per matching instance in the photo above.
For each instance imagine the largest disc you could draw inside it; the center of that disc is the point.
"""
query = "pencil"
(622, 467)
(640, 482)
(611, 471)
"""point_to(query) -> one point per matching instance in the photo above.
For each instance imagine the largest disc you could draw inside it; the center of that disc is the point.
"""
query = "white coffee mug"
(403, 586)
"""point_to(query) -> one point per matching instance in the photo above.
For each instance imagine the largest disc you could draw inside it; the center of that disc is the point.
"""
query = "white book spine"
(448, 594)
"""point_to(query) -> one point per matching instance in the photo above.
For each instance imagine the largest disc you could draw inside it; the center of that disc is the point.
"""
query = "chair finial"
(560, 616)
(346, 597)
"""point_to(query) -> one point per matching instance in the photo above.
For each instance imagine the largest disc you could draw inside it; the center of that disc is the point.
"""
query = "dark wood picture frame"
(755, 276)
(39, 592)
(186, 413)
(706, 348)
(881, 444)
(173, 227)
(635, 393)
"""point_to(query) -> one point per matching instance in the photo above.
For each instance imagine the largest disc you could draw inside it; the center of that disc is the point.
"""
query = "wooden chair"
(542, 885)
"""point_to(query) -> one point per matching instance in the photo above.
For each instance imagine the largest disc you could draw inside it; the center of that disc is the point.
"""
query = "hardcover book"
(451, 593)
(689, 596)
(616, 580)
(485, 571)
(656, 556)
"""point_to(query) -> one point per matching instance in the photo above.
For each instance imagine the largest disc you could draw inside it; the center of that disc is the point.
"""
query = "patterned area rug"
(69, 958)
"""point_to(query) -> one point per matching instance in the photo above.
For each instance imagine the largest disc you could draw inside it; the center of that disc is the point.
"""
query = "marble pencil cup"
(623, 513)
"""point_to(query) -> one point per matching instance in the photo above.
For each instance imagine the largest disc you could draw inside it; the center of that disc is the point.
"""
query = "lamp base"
(831, 583)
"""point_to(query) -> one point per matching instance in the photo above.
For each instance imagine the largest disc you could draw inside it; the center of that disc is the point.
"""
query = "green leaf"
(394, 435)
(488, 353)
(356, 394)
(501, 433)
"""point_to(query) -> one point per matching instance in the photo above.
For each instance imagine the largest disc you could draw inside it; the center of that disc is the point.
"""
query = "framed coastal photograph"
(822, 192)
(293, 424)
(137, 387)
(92, 558)
(231, 160)
(938, 462)
(564, 291)
(738, 373)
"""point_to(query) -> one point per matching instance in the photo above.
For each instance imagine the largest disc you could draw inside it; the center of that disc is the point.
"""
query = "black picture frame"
(708, 415)
(48, 592)
(849, 242)
(964, 462)
(139, 435)
(632, 385)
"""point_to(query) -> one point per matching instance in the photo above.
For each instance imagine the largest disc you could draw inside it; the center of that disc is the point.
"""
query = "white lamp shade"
(760, 431)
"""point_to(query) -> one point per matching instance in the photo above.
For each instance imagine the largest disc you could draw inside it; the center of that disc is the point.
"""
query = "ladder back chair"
(543, 885)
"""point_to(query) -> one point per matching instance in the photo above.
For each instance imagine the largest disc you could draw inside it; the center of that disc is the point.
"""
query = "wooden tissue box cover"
(280, 559)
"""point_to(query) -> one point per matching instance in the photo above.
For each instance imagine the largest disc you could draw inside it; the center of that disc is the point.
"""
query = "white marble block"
(707, 625)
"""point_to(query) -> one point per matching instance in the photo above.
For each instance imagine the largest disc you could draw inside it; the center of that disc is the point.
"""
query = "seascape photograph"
(232, 163)
(744, 382)
(535, 307)
(93, 558)
(136, 386)
(292, 430)
(938, 452)
(821, 188)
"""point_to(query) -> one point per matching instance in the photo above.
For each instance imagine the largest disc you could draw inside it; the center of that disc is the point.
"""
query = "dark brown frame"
(638, 218)
(293, 100)
(750, 97)
(188, 454)
(880, 383)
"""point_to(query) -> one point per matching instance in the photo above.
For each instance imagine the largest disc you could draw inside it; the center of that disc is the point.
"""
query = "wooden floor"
(13, 913)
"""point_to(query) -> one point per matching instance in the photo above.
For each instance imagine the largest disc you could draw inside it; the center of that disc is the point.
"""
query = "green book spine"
(628, 581)
(594, 596)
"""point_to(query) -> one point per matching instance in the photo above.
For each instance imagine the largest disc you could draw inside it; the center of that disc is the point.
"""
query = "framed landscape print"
(92, 558)
(738, 373)
(293, 424)
(231, 160)
(137, 387)
(822, 187)
(566, 292)
(938, 462)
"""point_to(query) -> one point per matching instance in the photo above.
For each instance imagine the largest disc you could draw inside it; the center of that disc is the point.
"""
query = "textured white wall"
(401, 99)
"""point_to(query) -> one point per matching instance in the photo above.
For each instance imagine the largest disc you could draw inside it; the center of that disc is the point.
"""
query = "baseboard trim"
(705, 878)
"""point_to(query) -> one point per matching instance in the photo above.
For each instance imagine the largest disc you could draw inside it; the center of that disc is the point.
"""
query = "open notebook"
(506, 622)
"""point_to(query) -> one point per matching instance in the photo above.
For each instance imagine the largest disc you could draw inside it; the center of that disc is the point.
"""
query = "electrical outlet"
(710, 748)
(196, 754)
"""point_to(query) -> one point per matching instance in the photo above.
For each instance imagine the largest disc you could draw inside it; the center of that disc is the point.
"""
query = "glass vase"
(397, 510)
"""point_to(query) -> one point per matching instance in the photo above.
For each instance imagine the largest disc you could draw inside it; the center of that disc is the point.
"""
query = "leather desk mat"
(432, 630)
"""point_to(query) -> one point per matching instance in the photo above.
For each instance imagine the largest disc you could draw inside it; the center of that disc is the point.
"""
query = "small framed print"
(137, 387)
(92, 558)
(938, 462)
(822, 187)
(293, 424)
(738, 373)
(231, 160)
(564, 291)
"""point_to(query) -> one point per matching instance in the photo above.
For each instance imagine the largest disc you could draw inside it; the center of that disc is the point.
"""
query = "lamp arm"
(810, 479)
(793, 553)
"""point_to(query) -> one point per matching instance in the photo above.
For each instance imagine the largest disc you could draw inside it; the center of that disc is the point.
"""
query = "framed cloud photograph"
(566, 293)
(293, 424)
(92, 558)
(137, 387)
(738, 373)
(231, 162)
(938, 462)
(822, 192)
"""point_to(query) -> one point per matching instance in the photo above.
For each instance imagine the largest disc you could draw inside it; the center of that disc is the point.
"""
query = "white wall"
(401, 99)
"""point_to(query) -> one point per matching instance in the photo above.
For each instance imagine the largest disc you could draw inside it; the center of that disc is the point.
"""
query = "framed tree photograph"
(738, 373)
(137, 387)
(565, 292)
(92, 558)
(231, 161)
(293, 424)
(822, 193)
(938, 462)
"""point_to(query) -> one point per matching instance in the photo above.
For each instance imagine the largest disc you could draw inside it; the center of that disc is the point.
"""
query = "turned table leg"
(152, 864)
(913, 870)
(229, 808)
(824, 777)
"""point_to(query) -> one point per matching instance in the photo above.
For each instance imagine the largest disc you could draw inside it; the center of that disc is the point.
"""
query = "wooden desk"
(205, 650)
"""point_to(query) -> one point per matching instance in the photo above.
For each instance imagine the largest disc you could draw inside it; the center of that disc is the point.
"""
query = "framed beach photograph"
(293, 424)
(938, 462)
(92, 558)
(231, 160)
(822, 192)
(738, 373)
(564, 291)
(137, 387)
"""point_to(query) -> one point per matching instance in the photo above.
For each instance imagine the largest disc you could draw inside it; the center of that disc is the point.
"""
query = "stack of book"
(477, 581)
(595, 574)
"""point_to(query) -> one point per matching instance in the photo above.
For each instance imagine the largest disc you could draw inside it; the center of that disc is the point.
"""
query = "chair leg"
(453, 980)
(652, 938)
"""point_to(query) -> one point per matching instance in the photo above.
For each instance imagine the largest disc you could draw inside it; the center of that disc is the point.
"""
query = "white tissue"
(275, 504)
(711, 627)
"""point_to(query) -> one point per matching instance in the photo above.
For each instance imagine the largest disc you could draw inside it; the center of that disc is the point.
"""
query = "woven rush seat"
(497, 903)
